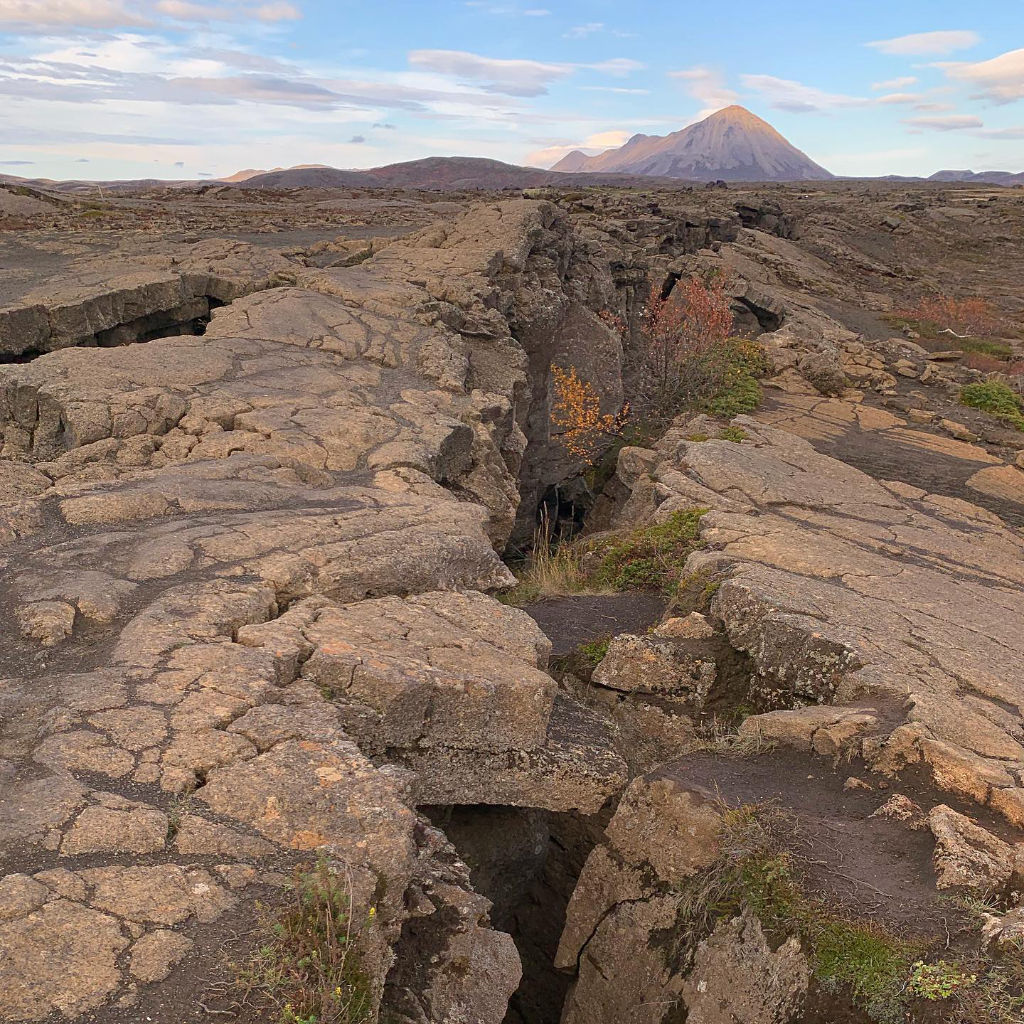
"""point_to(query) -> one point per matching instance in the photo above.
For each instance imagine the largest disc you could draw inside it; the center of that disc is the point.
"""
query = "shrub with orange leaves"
(576, 415)
(968, 318)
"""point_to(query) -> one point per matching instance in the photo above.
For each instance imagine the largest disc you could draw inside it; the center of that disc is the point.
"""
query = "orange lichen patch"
(306, 840)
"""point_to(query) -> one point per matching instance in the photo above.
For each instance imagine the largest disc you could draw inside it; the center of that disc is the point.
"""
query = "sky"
(104, 89)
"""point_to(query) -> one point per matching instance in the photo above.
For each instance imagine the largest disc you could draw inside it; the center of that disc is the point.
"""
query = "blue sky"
(187, 88)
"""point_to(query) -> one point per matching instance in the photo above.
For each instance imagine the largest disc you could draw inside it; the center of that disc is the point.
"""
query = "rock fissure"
(250, 629)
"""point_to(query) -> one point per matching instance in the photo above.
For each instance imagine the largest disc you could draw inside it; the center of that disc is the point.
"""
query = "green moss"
(867, 961)
(734, 434)
(652, 557)
(582, 659)
(996, 398)
(595, 651)
(741, 394)
(755, 871)
(986, 346)
(739, 391)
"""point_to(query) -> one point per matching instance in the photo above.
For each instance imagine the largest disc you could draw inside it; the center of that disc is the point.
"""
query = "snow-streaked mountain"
(732, 144)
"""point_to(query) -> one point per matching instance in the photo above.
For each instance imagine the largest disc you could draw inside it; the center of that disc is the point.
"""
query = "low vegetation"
(969, 317)
(648, 558)
(997, 398)
(883, 974)
(683, 358)
(308, 971)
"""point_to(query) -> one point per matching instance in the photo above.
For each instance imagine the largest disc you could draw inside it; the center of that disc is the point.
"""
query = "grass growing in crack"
(996, 398)
(652, 557)
(756, 871)
(997, 995)
(648, 558)
(885, 976)
(308, 972)
(581, 660)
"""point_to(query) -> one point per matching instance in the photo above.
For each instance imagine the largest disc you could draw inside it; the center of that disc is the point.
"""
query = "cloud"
(357, 139)
(385, 125)
(925, 43)
(797, 98)
(188, 10)
(616, 89)
(512, 77)
(82, 160)
(1000, 79)
(1014, 132)
(895, 83)
(278, 11)
(582, 31)
(899, 97)
(16, 163)
(43, 15)
(947, 123)
(521, 78)
(596, 143)
(708, 86)
(179, 163)
(618, 66)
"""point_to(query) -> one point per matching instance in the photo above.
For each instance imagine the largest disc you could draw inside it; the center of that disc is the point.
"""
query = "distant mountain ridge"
(445, 173)
(980, 177)
(731, 145)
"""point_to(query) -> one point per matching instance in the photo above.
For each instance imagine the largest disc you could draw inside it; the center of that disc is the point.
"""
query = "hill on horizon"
(447, 173)
(732, 145)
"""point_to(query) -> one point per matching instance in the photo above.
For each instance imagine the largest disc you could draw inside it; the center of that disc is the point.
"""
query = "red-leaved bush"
(681, 356)
(969, 318)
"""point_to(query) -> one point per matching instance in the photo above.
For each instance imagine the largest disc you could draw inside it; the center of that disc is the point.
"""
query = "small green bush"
(595, 650)
(734, 434)
(652, 557)
(996, 398)
(940, 980)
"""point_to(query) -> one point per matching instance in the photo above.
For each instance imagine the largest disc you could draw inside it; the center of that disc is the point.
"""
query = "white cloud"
(616, 89)
(44, 14)
(596, 143)
(617, 66)
(188, 10)
(946, 123)
(512, 77)
(1000, 79)
(1014, 132)
(899, 97)
(582, 31)
(796, 97)
(277, 11)
(924, 43)
(708, 86)
(895, 83)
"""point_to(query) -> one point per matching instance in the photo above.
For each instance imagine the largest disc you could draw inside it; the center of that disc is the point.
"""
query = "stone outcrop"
(249, 619)
(275, 540)
(844, 591)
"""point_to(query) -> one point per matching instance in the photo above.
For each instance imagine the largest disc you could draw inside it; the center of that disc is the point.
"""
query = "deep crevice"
(526, 862)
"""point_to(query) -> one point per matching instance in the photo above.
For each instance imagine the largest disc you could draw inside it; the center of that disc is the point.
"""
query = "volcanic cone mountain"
(732, 144)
